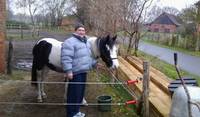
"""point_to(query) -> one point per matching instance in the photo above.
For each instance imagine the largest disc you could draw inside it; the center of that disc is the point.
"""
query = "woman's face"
(81, 31)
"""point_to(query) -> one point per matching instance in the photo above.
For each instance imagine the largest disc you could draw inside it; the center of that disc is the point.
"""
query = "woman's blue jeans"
(75, 93)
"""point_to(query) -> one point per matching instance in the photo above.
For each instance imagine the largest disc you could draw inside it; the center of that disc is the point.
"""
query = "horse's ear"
(114, 38)
(107, 38)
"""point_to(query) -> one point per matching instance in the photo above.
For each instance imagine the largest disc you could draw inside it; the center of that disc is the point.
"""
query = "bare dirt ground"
(24, 92)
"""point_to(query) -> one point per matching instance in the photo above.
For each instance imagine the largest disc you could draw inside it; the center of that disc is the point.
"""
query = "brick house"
(167, 23)
(68, 23)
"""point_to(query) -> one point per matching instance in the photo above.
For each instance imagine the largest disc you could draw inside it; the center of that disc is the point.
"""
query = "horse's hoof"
(39, 100)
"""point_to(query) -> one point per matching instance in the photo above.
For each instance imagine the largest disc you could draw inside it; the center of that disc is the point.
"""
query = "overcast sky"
(179, 4)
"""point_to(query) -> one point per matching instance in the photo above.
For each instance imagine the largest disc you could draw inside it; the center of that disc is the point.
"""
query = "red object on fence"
(132, 82)
(131, 102)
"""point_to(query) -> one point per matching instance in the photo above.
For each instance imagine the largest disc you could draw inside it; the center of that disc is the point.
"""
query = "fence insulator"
(132, 82)
(131, 102)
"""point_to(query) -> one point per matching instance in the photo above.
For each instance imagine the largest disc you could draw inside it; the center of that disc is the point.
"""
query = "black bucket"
(104, 103)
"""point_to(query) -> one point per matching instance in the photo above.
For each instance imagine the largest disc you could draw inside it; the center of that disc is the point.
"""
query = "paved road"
(186, 62)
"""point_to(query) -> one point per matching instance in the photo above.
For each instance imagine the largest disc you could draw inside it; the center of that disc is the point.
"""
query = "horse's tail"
(34, 72)
(34, 66)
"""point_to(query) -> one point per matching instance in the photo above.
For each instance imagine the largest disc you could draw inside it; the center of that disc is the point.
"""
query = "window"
(167, 30)
(156, 30)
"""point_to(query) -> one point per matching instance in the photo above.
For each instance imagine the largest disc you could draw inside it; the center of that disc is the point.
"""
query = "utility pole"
(2, 34)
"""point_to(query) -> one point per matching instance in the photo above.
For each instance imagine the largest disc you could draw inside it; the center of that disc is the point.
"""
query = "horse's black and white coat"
(47, 54)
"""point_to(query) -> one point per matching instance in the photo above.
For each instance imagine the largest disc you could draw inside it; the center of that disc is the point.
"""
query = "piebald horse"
(47, 55)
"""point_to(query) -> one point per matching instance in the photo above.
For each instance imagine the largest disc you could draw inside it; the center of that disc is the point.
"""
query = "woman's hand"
(69, 75)
(99, 66)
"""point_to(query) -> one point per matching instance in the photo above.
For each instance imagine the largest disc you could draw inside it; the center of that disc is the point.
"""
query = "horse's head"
(108, 51)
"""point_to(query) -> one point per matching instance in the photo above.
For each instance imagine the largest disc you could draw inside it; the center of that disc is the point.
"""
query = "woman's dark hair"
(78, 25)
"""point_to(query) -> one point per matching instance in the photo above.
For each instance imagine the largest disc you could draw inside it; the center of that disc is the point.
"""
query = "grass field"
(166, 68)
(186, 51)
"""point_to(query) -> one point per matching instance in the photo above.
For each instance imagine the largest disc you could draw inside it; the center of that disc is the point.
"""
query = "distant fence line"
(17, 26)
(21, 31)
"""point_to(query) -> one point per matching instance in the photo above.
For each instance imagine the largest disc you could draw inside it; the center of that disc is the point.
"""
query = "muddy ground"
(24, 92)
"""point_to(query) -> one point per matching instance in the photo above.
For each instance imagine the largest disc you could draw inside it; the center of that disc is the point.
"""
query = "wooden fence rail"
(159, 101)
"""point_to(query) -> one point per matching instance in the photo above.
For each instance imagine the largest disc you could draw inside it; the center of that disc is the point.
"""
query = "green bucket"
(104, 102)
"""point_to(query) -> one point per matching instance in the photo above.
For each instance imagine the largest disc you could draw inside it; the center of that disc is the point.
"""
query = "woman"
(76, 58)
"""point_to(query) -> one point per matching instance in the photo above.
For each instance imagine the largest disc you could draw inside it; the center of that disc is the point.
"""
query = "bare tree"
(9, 10)
(101, 16)
(188, 14)
(32, 6)
(191, 15)
(111, 16)
(133, 21)
(154, 12)
(171, 10)
(197, 45)
(56, 10)
(82, 9)
(52, 11)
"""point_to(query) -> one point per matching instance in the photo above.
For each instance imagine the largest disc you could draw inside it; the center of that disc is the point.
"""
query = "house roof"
(166, 18)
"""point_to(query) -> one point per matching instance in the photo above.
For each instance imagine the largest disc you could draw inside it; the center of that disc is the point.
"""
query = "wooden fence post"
(146, 80)
(22, 34)
(9, 59)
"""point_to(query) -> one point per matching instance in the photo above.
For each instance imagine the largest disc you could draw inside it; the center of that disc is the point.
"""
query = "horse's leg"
(39, 98)
(43, 76)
